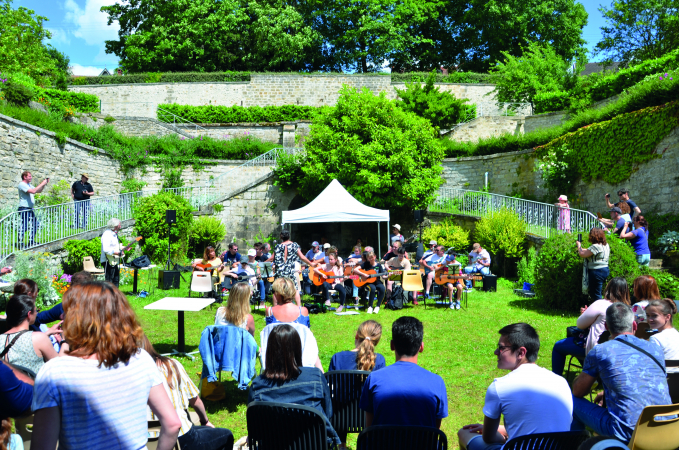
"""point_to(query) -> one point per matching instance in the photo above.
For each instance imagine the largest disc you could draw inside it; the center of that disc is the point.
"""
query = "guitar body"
(319, 280)
(361, 281)
(113, 260)
(204, 267)
(445, 278)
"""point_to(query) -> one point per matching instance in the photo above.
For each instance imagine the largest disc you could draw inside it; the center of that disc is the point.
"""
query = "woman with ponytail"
(659, 315)
(363, 356)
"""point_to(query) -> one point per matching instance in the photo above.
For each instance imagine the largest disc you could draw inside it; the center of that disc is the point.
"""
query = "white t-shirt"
(309, 344)
(532, 399)
(100, 407)
(668, 340)
(25, 199)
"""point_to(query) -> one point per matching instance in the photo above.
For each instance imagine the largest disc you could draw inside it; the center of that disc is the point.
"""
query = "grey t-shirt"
(25, 199)
(599, 258)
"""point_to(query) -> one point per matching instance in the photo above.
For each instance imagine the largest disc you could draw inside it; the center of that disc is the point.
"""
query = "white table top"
(181, 303)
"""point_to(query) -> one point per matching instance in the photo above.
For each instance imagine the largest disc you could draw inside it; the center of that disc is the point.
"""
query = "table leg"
(180, 330)
(134, 281)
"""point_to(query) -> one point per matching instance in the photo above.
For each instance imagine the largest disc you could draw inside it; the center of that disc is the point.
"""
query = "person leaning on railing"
(26, 204)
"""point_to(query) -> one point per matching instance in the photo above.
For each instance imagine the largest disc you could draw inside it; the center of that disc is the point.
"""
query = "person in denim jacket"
(285, 379)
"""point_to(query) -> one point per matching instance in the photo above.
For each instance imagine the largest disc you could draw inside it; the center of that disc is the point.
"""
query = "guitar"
(113, 260)
(372, 275)
(442, 277)
(319, 280)
(205, 267)
(230, 281)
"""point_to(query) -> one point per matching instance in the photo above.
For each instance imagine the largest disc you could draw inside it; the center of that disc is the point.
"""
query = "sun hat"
(563, 197)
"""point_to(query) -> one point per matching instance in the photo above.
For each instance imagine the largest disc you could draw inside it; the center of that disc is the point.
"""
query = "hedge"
(453, 77)
(236, 114)
(154, 77)
(80, 101)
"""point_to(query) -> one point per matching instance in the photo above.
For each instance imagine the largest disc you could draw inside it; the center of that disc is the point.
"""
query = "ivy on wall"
(240, 114)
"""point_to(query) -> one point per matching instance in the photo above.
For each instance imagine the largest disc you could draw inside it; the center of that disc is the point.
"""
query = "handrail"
(542, 219)
(269, 159)
(164, 116)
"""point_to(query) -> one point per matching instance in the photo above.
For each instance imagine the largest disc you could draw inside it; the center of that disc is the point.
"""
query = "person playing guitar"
(432, 264)
(376, 287)
(454, 268)
(399, 262)
(332, 269)
(208, 263)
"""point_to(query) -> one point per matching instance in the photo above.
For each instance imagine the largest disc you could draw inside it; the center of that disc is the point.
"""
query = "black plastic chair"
(401, 437)
(673, 380)
(567, 440)
(345, 390)
(285, 426)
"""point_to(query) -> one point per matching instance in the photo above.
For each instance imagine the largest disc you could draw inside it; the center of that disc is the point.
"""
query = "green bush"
(452, 77)
(82, 102)
(551, 101)
(502, 233)
(39, 267)
(239, 114)
(207, 230)
(182, 77)
(149, 215)
(17, 93)
(658, 225)
(57, 193)
(668, 284)
(132, 185)
(288, 171)
(77, 249)
(153, 77)
(527, 266)
(448, 234)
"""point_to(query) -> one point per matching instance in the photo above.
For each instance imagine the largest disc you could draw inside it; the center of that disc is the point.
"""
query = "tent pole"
(379, 240)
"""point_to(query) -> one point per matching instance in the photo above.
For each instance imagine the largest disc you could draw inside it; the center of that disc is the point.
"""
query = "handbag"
(585, 278)
(579, 336)
(212, 390)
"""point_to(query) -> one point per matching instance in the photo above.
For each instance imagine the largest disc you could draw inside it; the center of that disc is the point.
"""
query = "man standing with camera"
(26, 203)
(623, 195)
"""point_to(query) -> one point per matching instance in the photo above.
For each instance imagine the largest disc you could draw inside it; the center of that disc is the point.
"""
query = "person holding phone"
(26, 203)
(596, 258)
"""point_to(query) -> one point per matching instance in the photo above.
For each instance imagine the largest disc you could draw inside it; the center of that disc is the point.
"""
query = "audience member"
(16, 391)
(26, 286)
(645, 289)
(8, 440)
(617, 220)
(639, 239)
(596, 259)
(183, 393)
(236, 312)
(363, 356)
(592, 321)
(20, 345)
(659, 314)
(284, 311)
(633, 375)
(479, 262)
(531, 399)
(103, 383)
(285, 379)
(392, 397)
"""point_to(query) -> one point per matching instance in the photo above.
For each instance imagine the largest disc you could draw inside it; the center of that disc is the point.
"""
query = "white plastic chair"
(200, 282)
(88, 266)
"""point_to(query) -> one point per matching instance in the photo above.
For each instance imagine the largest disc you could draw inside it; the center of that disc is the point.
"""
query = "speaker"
(168, 279)
(419, 215)
(170, 216)
(489, 283)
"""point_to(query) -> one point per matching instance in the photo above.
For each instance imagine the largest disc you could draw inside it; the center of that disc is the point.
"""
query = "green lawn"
(458, 345)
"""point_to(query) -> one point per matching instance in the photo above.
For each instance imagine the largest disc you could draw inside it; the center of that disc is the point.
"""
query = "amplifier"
(490, 283)
(168, 279)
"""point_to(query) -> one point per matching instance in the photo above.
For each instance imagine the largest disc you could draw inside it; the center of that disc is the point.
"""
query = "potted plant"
(669, 245)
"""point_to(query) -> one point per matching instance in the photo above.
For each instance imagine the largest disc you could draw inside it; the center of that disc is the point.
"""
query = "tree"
(384, 156)
(61, 60)
(637, 30)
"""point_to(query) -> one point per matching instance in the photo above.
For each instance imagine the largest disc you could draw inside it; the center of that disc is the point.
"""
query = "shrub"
(181, 77)
(17, 93)
(58, 193)
(668, 284)
(452, 77)
(207, 230)
(150, 223)
(527, 266)
(77, 249)
(288, 171)
(448, 234)
(153, 77)
(668, 241)
(551, 101)
(235, 114)
(39, 267)
(132, 185)
(502, 234)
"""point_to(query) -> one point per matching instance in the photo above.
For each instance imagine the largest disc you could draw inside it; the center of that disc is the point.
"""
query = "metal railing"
(543, 219)
(177, 122)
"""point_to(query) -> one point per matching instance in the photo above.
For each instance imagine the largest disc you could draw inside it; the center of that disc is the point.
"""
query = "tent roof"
(335, 204)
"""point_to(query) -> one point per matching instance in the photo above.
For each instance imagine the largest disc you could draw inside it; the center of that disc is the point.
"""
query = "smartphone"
(579, 237)
(608, 195)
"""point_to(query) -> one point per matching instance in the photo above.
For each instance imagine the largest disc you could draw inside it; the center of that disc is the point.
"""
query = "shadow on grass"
(167, 348)
(234, 397)
(536, 305)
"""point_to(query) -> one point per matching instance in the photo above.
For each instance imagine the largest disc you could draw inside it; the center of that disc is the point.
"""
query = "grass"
(458, 346)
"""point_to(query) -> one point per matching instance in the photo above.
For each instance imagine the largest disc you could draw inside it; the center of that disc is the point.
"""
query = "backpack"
(397, 297)
(142, 261)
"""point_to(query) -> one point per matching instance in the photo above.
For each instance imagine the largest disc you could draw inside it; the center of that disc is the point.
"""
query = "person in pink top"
(592, 322)
(332, 266)
(564, 221)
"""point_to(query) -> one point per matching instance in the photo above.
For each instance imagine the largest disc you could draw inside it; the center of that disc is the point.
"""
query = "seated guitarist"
(399, 262)
(248, 268)
(457, 285)
(332, 266)
(376, 287)
(479, 262)
(208, 263)
(429, 267)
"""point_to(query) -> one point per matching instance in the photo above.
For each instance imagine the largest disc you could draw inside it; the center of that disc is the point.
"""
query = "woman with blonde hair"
(363, 356)
(237, 309)
(285, 311)
(104, 381)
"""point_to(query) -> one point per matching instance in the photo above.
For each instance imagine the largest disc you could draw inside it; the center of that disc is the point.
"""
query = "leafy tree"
(442, 109)
(540, 69)
(637, 30)
(502, 234)
(384, 156)
(61, 60)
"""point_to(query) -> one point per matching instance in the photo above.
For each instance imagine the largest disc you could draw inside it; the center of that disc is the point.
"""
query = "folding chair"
(200, 282)
(673, 380)
(652, 434)
(566, 440)
(412, 281)
(285, 426)
(88, 266)
(399, 437)
(345, 391)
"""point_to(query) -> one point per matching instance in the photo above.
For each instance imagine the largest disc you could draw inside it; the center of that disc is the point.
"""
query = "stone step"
(655, 264)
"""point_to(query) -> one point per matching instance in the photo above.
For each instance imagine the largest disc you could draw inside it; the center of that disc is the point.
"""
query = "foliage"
(77, 249)
(165, 77)
(58, 193)
(668, 284)
(452, 77)
(637, 30)
(442, 109)
(288, 170)
(149, 215)
(80, 101)
(658, 225)
(448, 234)
(17, 93)
(206, 230)
(538, 70)
(235, 114)
(384, 156)
(132, 185)
(172, 177)
(668, 241)
(153, 77)
(527, 266)
(558, 280)
(502, 233)
(39, 267)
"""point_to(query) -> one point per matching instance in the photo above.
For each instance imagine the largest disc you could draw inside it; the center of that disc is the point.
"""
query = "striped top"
(184, 390)
(100, 407)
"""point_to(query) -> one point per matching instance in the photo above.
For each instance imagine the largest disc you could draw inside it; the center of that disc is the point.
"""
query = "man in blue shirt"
(623, 195)
(633, 374)
(16, 392)
(231, 255)
(391, 397)
(430, 266)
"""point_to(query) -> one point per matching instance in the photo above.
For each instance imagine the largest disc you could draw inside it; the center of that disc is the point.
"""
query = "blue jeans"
(82, 208)
(586, 413)
(206, 438)
(478, 443)
(644, 260)
(560, 352)
(27, 219)
(262, 290)
(597, 278)
(482, 271)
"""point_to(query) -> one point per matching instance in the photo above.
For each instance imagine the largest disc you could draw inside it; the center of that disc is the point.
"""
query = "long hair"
(617, 291)
(98, 319)
(26, 286)
(284, 287)
(597, 236)
(237, 306)
(206, 253)
(646, 288)
(283, 354)
(624, 207)
(642, 222)
(161, 361)
(666, 306)
(369, 334)
(5, 433)
(17, 309)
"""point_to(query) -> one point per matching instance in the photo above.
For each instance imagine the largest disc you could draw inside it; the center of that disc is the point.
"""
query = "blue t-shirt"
(15, 395)
(346, 360)
(227, 256)
(434, 259)
(640, 243)
(394, 398)
(631, 379)
(353, 256)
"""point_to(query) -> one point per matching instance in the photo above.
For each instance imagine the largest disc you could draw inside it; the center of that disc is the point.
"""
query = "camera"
(608, 195)
(579, 237)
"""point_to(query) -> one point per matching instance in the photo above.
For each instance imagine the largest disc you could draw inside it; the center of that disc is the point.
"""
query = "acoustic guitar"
(319, 280)
(205, 267)
(114, 260)
(442, 277)
(372, 275)
(230, 281)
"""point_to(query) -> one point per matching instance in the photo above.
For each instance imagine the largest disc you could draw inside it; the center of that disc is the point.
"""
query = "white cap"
(326, 245)
(252, 252)
(397, 226)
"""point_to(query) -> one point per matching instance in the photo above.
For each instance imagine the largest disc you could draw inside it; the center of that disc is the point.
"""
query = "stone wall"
(541, 121)
(487, 126)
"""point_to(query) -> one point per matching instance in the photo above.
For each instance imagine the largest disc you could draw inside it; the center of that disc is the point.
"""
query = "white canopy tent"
(335, 204)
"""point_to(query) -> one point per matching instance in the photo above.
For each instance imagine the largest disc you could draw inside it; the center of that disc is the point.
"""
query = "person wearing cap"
(564, 220)
(80, 193)
(479, 262)
(315, 252)
(617, 220)
(623, 195)
(396, 234)
(250, 267)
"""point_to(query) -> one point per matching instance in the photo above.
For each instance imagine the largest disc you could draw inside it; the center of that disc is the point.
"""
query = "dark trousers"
(82, 208)
(112, 273)
(325, 287)
(206, 438)
(28, 219)
(375, 288)
(597, 278)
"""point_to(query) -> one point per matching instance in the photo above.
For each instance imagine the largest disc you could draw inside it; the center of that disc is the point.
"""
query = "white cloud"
(59, 36)
(91, 71)
(90, 24)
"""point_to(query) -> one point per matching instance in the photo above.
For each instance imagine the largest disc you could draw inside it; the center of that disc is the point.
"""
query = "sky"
(79, 30)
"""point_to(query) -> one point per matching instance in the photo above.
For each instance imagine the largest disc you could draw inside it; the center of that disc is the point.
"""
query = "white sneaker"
(339, 308)
(370, 310)
(452, 305)
(469, 290)
(327, 303)
(457, 305)
(377, 310)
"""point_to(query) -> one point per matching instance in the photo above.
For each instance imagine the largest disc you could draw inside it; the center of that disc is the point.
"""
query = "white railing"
(178, 122)
(543, 219)
(503, 109)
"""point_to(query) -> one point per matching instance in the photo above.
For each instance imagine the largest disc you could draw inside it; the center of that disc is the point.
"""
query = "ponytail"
(369, 334)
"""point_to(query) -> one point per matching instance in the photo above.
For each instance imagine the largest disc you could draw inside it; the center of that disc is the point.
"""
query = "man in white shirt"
(110, 245)
(479, 262)
(26, 203)
(531, 399)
